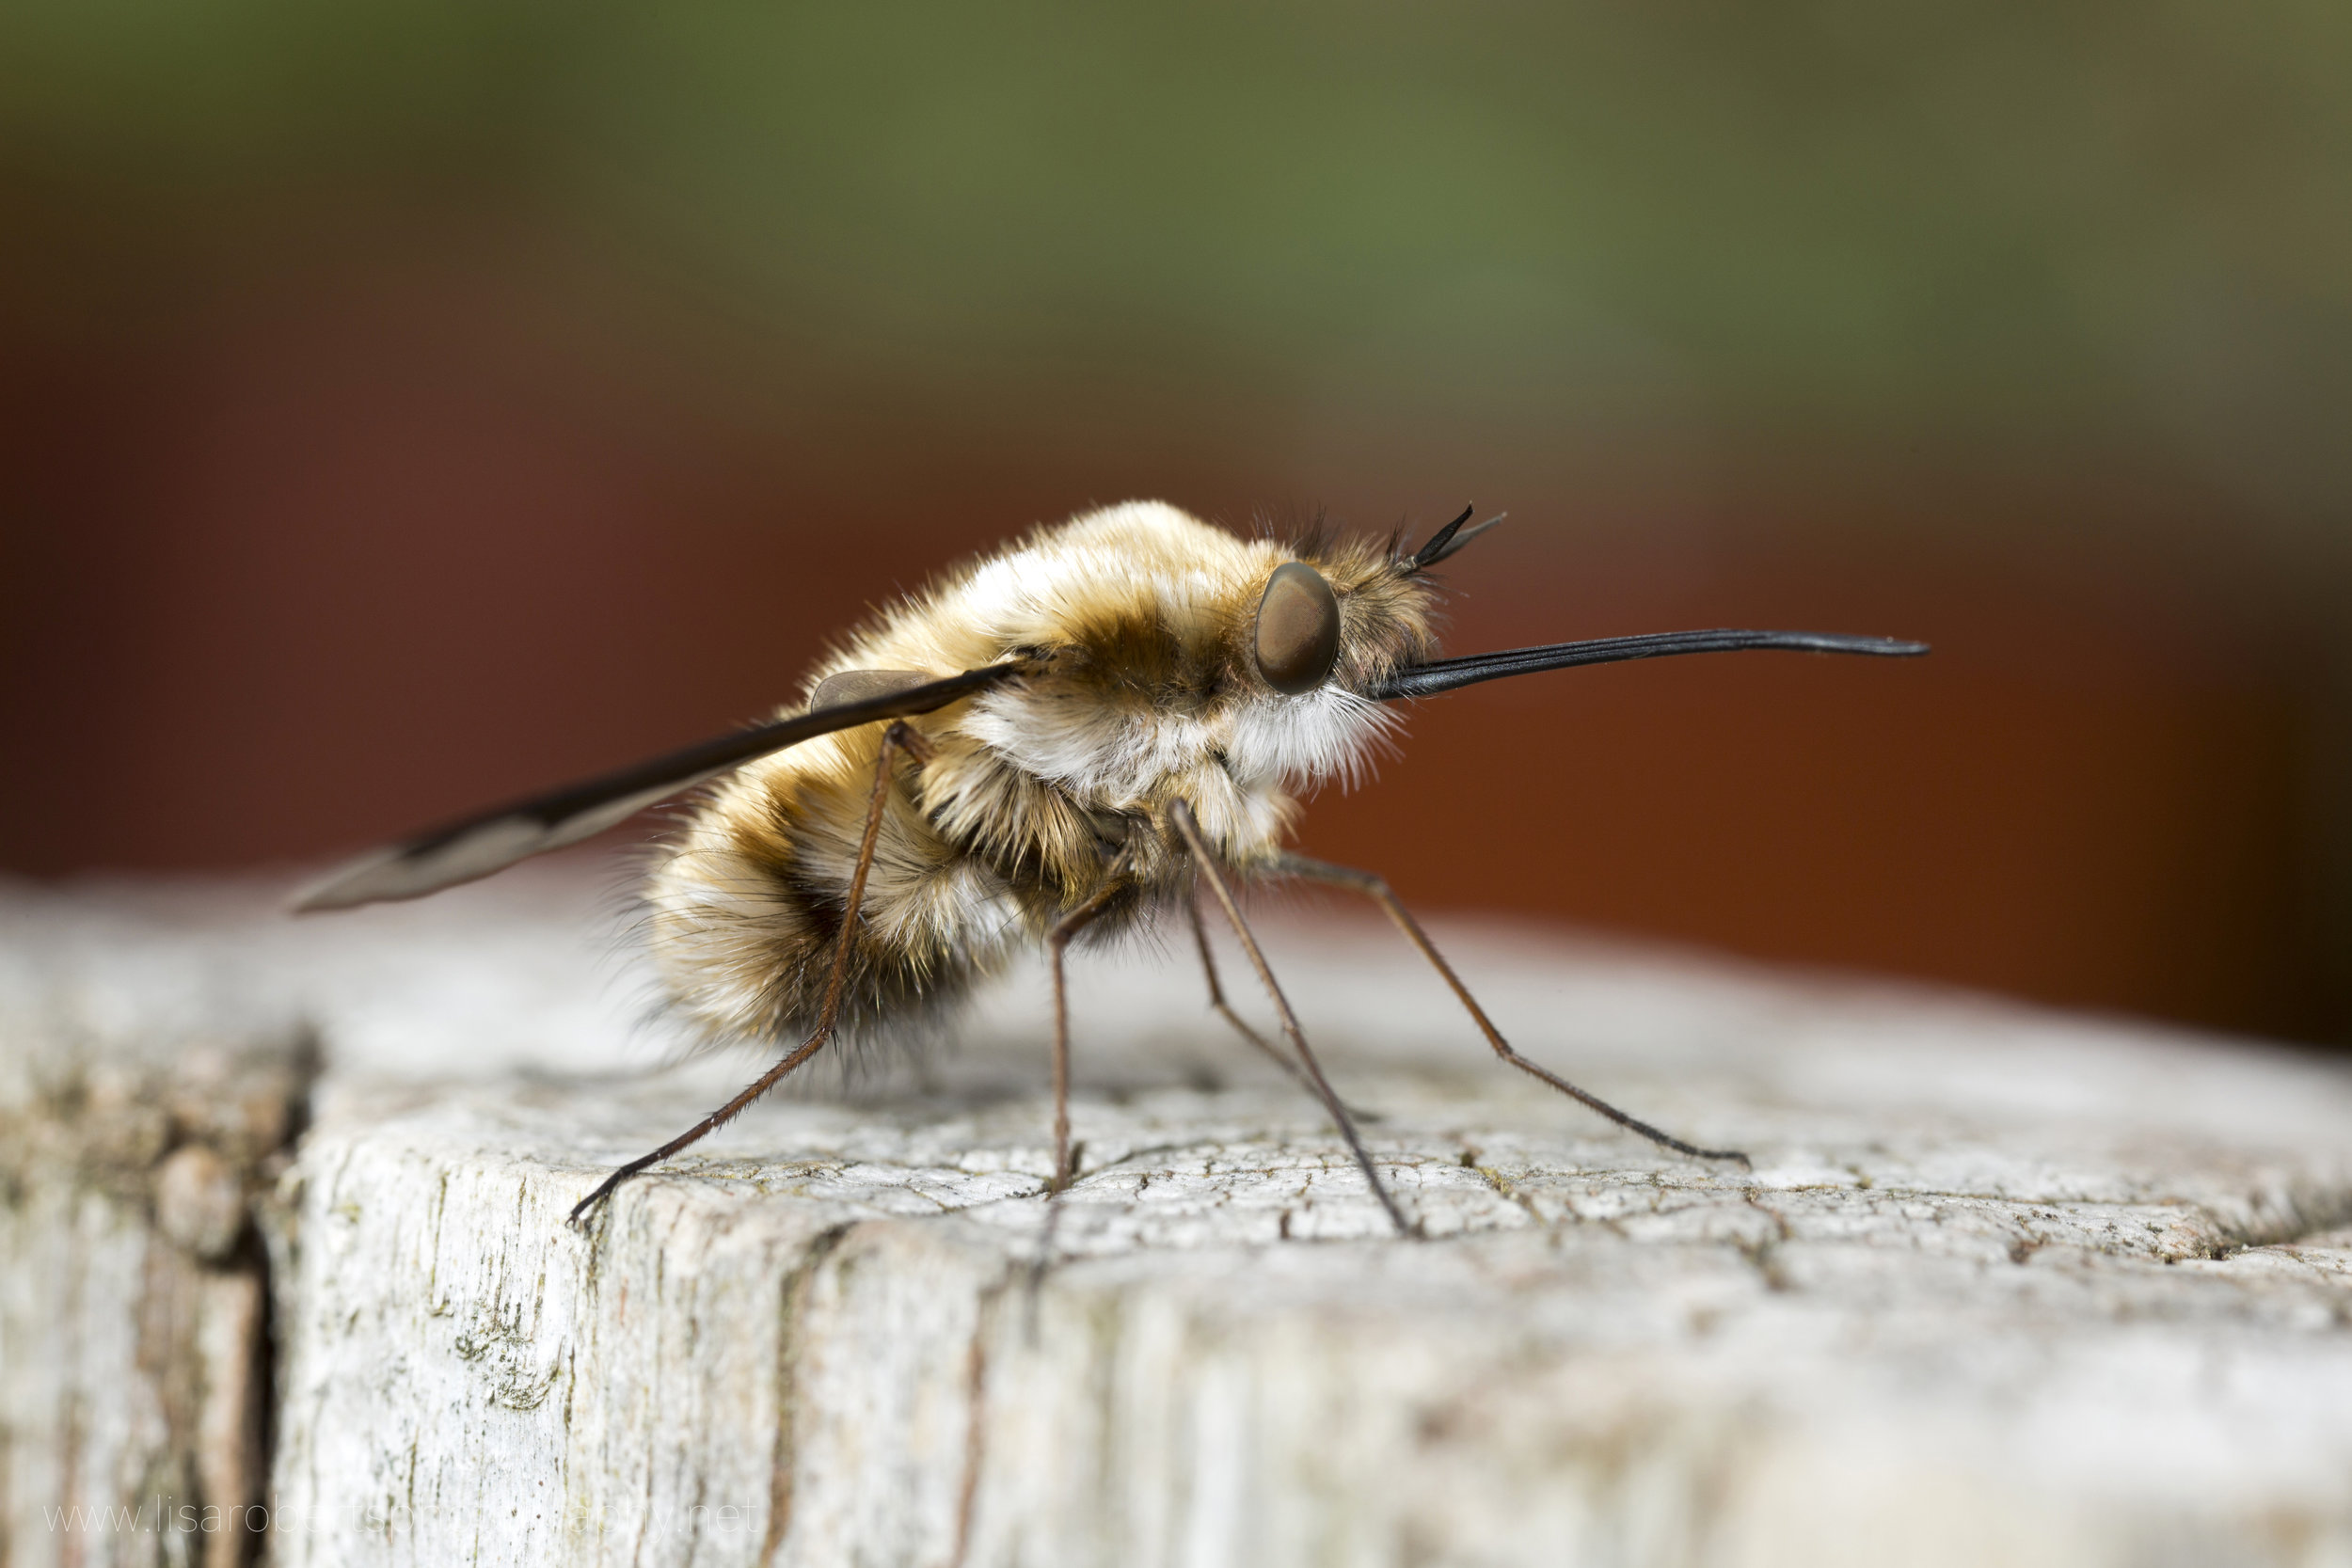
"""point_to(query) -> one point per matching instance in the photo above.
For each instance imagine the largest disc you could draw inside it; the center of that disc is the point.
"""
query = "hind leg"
(898, 738)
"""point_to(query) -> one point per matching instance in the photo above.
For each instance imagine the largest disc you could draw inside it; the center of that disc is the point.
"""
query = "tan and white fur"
(1040, 795)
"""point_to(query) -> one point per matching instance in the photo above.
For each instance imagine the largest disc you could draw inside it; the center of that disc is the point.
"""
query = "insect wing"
(494, 840)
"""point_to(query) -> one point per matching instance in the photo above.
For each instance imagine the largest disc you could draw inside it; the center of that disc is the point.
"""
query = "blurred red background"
(333, 508)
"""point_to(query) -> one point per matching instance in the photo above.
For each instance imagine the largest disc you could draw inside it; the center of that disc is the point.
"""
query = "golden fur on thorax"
(1042, 791)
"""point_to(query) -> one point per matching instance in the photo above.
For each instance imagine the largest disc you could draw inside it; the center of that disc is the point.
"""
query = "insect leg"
(1223, 1009)
(1376, 887)
(1057, 941)
(1181, 814)
(897, 739)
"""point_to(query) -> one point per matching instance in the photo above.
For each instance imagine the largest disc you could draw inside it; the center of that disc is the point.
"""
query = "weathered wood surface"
(148, 1084)
(2004, 1286)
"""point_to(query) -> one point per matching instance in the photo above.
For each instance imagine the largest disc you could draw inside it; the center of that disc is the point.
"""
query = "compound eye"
(1298, 629)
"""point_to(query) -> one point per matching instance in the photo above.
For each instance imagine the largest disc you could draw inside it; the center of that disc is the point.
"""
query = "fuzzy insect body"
(1138, 623)
(1083, 732)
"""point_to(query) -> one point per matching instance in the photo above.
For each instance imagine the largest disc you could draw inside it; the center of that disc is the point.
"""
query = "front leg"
(1376, 887)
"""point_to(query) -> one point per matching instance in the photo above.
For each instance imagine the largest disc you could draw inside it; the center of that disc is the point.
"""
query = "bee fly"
(1081, 733)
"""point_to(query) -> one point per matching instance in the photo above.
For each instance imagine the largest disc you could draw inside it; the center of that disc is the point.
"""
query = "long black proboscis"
(492, 840)
(1451, 674)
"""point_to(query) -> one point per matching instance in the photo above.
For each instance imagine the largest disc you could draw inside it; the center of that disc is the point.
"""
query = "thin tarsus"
(897, 739)
(1180, 814)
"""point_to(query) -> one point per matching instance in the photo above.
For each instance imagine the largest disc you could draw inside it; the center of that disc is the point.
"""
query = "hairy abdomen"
(746, 904)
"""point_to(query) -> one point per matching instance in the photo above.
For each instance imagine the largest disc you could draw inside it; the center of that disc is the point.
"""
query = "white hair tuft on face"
(1304, 741)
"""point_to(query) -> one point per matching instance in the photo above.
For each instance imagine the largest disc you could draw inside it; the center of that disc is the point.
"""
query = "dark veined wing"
(494, 840)
(1450, 674)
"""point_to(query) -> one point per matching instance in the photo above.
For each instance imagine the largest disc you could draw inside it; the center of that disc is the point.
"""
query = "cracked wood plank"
(2004, 1286)
(147, 1093)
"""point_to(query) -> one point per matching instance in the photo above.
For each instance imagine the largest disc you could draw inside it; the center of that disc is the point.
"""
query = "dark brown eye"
(1298, 629)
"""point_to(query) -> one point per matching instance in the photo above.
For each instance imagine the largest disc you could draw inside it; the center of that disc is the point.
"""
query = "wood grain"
(2005, 1285)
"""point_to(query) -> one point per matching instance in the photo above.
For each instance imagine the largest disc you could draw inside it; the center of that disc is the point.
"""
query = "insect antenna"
(1449, 539)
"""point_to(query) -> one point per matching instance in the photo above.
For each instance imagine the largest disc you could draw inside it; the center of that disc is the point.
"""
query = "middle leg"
(1180, 814)
(1224, 1009)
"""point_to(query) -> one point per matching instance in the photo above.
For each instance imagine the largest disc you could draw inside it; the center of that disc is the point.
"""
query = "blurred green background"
(409, 403)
